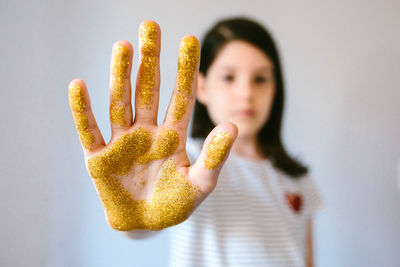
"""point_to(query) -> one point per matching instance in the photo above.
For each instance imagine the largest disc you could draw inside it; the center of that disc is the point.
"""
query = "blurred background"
(342, 72)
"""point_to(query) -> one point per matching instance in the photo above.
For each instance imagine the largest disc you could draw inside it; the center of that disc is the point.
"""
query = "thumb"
(204, 172)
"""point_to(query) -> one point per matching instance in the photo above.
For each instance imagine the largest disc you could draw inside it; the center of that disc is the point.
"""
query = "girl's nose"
(245, 90)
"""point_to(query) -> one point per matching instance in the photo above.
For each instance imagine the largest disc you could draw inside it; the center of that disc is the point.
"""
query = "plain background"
(341, 67)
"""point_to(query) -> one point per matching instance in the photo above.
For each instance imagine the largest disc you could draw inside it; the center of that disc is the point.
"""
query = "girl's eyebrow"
(226, 67)
(265, 68)
(260, 69)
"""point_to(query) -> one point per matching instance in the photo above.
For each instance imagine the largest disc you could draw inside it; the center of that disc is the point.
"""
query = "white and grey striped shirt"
(248, 219)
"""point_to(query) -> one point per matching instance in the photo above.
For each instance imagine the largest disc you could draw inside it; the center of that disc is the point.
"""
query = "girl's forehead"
(240, 54)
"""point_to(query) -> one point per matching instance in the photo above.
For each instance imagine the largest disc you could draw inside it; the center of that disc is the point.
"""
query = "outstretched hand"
(143, 176)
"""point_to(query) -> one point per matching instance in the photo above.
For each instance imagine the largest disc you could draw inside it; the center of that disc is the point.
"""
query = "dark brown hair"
(269, 137)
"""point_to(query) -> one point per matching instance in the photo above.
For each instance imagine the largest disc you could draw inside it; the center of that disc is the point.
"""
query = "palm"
(143, 176)
(133, 167)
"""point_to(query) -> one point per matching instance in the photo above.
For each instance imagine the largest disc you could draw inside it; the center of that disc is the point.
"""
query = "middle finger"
(148, 77)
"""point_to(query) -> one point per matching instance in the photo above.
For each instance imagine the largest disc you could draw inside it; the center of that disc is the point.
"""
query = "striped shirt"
(256, 216)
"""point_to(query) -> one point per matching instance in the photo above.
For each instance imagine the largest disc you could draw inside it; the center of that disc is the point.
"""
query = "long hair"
(269, 137)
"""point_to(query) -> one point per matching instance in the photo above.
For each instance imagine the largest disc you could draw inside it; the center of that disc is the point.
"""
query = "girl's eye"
(228, 78)
(260, 79)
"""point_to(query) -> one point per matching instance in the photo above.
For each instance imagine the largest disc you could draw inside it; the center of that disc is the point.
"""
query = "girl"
(260, 212)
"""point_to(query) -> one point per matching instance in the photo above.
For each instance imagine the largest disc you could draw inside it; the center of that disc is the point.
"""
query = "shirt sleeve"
(313, 199)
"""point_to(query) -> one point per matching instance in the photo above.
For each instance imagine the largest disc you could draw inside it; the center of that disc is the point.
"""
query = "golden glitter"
(119, 69)
(118, 114)
(187, 62)
(217, 149)
(77, 104)
(148, 43)
(173, 196)
(165, 144)
(180, 107)
(172, 200)
(122, 211)
(119, 157)
(105, 167)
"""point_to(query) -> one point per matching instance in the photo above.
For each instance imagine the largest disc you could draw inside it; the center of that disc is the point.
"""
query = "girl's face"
(239, 88)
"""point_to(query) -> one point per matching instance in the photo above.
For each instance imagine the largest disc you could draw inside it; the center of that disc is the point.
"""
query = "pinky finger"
(89, 133)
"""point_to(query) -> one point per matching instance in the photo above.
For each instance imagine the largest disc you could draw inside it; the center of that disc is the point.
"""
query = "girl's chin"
(246, 133)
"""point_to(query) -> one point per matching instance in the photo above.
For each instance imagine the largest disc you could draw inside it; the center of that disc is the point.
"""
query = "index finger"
(182, 102)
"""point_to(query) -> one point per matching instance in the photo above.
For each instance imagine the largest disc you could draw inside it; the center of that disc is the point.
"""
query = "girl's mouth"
(245, 113)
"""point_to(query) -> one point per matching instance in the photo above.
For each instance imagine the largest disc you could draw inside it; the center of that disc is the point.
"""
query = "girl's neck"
(247, 147)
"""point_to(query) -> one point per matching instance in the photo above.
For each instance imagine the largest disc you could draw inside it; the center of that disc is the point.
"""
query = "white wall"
(341, 64)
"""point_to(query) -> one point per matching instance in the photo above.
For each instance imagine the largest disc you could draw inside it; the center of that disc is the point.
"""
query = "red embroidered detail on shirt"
(295, 201)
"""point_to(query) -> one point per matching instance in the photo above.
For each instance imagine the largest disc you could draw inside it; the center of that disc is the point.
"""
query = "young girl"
(260, 211)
